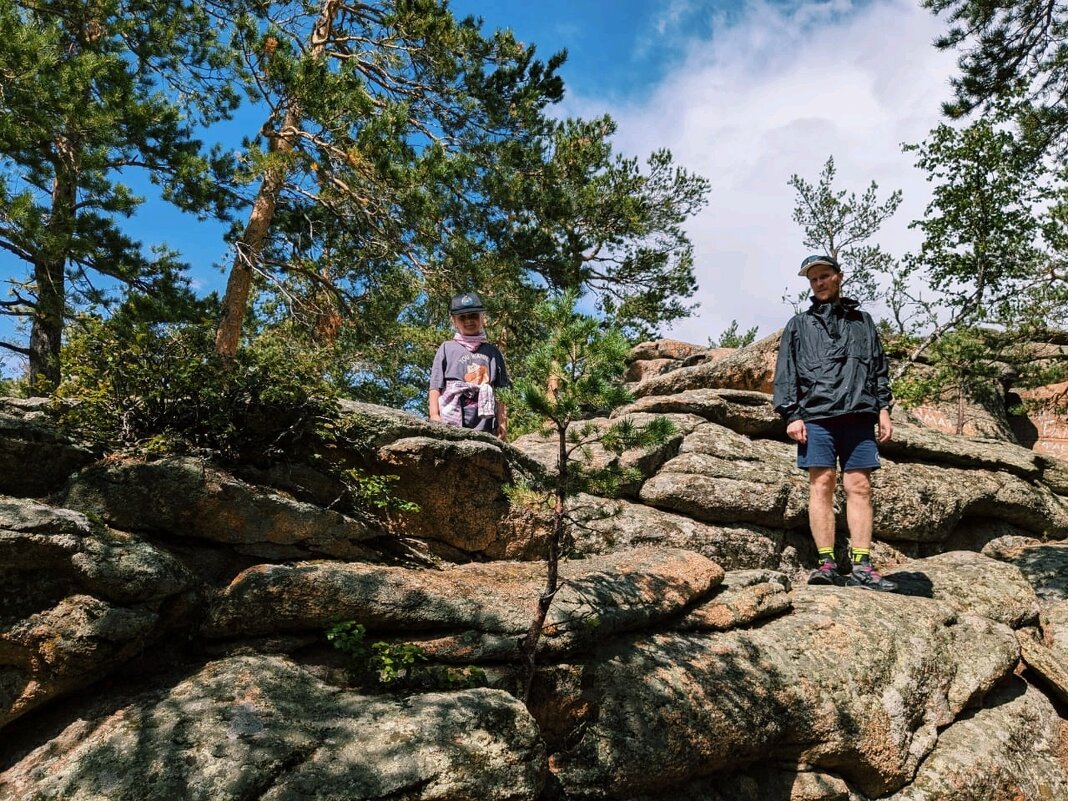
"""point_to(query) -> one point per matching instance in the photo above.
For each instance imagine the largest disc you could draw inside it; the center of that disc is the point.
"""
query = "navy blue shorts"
(848, 440)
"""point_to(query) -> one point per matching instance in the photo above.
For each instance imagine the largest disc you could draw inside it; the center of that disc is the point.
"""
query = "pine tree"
(576, 372)
(90, 94)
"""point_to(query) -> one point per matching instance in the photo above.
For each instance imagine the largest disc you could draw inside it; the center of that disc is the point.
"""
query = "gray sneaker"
(868, 578)
(826, 573)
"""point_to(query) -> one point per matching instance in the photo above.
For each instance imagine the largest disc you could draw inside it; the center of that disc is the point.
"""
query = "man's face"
(826, 283)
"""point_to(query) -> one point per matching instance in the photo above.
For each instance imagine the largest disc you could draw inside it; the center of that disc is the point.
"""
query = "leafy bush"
(163, 388)
(153, 389)
(397, 665)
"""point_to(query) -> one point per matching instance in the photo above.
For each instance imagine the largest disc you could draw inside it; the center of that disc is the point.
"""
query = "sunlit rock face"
(163, 621)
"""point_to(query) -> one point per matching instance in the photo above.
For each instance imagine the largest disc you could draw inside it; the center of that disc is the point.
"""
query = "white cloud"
(775, 92)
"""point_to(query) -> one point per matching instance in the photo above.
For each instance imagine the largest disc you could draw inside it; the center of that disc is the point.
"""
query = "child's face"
(469, 324)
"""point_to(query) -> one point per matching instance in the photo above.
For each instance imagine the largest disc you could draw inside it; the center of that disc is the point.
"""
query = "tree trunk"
(250, 245)
(46, 333)
(529, 645)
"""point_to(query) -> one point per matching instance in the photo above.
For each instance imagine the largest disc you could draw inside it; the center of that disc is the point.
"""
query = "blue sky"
(744, 93)
(748, 94)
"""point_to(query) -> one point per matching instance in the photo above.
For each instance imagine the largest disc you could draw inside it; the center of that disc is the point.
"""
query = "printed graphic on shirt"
(477, 373)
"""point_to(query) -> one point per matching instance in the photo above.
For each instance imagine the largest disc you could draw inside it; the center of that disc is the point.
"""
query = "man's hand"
(886, 428)
(797, 432)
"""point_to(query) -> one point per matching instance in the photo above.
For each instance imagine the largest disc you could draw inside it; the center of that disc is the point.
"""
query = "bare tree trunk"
(46, 333)
(529, 645)
(250, 245)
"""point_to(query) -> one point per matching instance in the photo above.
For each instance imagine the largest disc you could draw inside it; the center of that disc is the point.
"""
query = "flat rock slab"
(723, 477)
(913, 442)
(925, 502)
(851, 682)
(260, 727)
(973, 583)
(468, 612)
(744, 597)
(749, 413)
(36, 539)
(192, 498)
(609, 525)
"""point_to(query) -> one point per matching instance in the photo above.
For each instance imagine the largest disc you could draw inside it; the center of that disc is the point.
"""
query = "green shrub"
(397, 665)
(153, 389)
(163, 388)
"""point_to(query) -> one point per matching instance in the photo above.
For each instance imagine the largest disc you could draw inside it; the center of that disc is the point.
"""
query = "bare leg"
(821, 481)
(857, 486)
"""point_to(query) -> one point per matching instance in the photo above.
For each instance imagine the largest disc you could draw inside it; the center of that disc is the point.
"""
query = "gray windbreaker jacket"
(831, 363)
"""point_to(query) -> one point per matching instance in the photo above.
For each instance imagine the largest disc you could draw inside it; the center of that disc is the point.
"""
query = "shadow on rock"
(914, 583)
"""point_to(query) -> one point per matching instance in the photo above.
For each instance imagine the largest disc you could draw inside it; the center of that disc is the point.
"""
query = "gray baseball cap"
(466, 302)
(815, 261)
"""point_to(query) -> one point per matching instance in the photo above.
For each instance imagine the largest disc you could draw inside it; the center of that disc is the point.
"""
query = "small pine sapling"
(574, 374)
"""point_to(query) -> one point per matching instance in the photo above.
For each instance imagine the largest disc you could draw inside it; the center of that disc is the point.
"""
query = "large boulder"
(79, 600)
(1013, 748)
(479, 612)
(190, 497)
(854, 683)
(1042, 425)
(458, 487)
(28, 437)
(923, 503)
(65, 648)
(261, 727)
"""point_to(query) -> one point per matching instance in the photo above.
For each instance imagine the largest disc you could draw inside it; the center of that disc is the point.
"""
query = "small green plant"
(393, 662)
(575, 373)
(350, 637)
(375, 490)
(459, 678)
(387, 663)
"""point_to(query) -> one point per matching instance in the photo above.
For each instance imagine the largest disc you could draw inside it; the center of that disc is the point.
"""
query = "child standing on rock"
(466, 372)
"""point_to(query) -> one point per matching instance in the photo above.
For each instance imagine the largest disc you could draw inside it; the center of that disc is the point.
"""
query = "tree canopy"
(1009, 49)
(842, 225)
(395, 155)
(91, 93)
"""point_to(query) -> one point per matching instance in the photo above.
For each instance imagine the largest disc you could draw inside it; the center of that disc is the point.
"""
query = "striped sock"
(861, 555)
(825, 554)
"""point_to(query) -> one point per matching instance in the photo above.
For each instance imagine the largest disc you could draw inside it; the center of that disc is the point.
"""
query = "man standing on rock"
(832, 387)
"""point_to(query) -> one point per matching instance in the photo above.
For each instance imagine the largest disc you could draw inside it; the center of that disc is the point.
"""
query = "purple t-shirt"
(454, 362)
